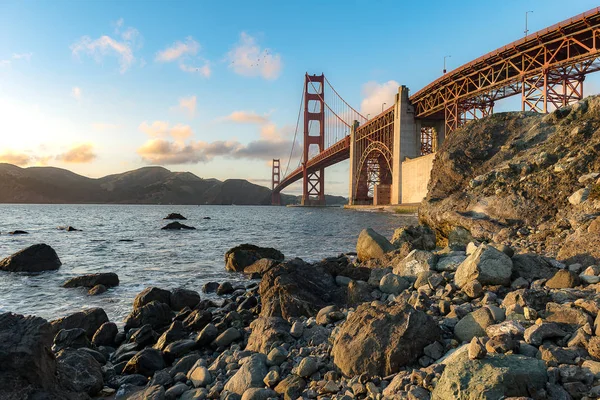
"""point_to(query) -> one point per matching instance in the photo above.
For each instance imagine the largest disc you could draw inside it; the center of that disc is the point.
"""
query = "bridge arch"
(374, 168)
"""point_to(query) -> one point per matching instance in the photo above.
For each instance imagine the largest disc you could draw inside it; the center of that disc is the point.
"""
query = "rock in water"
(244, 255)
(488, 265)
(151, 294)
(371, 244)
(175, 216)
(492, 377)
(18, 232)
(36, 258)
(89, 320)
(380, 339)
(176, 226)
(181, 298)
(108, 279)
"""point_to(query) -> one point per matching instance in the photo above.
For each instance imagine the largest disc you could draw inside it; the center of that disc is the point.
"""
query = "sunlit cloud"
(187, 105)
(19, 159)
(376, 94)
(246, 117)
(178, 49)
(272, 143)
(106, 45)
(247, 58)
(162, 129)
(80, 154)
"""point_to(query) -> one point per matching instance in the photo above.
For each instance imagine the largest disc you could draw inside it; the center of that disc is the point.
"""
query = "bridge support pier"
(406, 141)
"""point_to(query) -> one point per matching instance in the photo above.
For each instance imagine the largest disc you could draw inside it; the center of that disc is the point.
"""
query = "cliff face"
(511, 178)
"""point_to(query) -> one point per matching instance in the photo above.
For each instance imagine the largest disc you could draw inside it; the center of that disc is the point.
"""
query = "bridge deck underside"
(566, 50)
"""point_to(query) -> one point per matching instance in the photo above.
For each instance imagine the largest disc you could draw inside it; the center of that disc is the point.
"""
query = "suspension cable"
(334, 91)
(326, 105)
(295, 134)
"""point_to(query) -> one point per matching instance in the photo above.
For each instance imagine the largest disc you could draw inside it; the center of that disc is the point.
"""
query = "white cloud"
(375, 94)
(77, 93)
(204, 70)
(246, 117)
(178, 50)
(22, 56)
(106, 45)
(187, 105)
(4, 63)
(249, 59)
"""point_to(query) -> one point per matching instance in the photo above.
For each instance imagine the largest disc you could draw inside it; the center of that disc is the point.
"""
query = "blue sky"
(101, 87)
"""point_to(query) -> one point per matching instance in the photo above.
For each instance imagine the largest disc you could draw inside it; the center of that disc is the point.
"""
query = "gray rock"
(371, 244)
(449, 262)
(145, 362)
(200, 375)
(90, 320)
(78, 371)
(493, 377)
(259, 394)
(393, 284)
(475, 323)
(307, 367)
(152, 294)
(536, 334)
(242, 256)
(70, 338)
(251, 374)
(175, 391)
(105, 335)
(268, 332)
(277, 356)
(207, 335)
(488, 265)
(154, 392)
(415, 262)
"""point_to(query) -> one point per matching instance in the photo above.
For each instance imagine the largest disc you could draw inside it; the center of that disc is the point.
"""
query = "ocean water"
(156, 257)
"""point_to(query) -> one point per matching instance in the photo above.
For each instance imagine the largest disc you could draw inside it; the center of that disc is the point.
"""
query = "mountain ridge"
(146, 185)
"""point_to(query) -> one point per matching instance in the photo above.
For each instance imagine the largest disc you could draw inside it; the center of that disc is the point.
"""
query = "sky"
(102, 87)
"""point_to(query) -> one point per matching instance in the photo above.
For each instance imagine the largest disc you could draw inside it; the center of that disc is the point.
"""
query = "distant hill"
(149, 185)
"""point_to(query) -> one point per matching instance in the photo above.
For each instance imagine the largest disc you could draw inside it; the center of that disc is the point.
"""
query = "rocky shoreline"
(495, 296)
(400, 319)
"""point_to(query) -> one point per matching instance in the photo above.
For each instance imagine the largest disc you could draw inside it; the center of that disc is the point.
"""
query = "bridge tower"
(313, 182)
(275, 179)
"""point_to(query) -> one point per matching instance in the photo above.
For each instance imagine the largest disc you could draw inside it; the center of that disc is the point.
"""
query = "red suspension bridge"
(391, 153)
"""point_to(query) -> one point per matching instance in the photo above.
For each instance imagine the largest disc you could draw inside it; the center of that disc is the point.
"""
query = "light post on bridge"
(368, 116)
(445, 63)
(383, 105)
(526, 30)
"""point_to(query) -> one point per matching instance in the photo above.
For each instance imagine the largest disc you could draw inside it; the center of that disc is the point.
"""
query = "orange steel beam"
(517, 67)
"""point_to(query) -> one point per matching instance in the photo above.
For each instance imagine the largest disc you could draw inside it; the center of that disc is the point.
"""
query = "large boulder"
(493, 377)
(532, 266)
(89, 320)
(152, 294)
(27, 366)
(250, 375)
(414, 263)
(244, 255)
(155, 314)
(36, 258)
(145, 362)
(419, 237)
(488, 265)
(78, 371)
(181, 298)
(108, 279)
(379, 339)
(295, 288)
(268, 332)
(371, 244)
